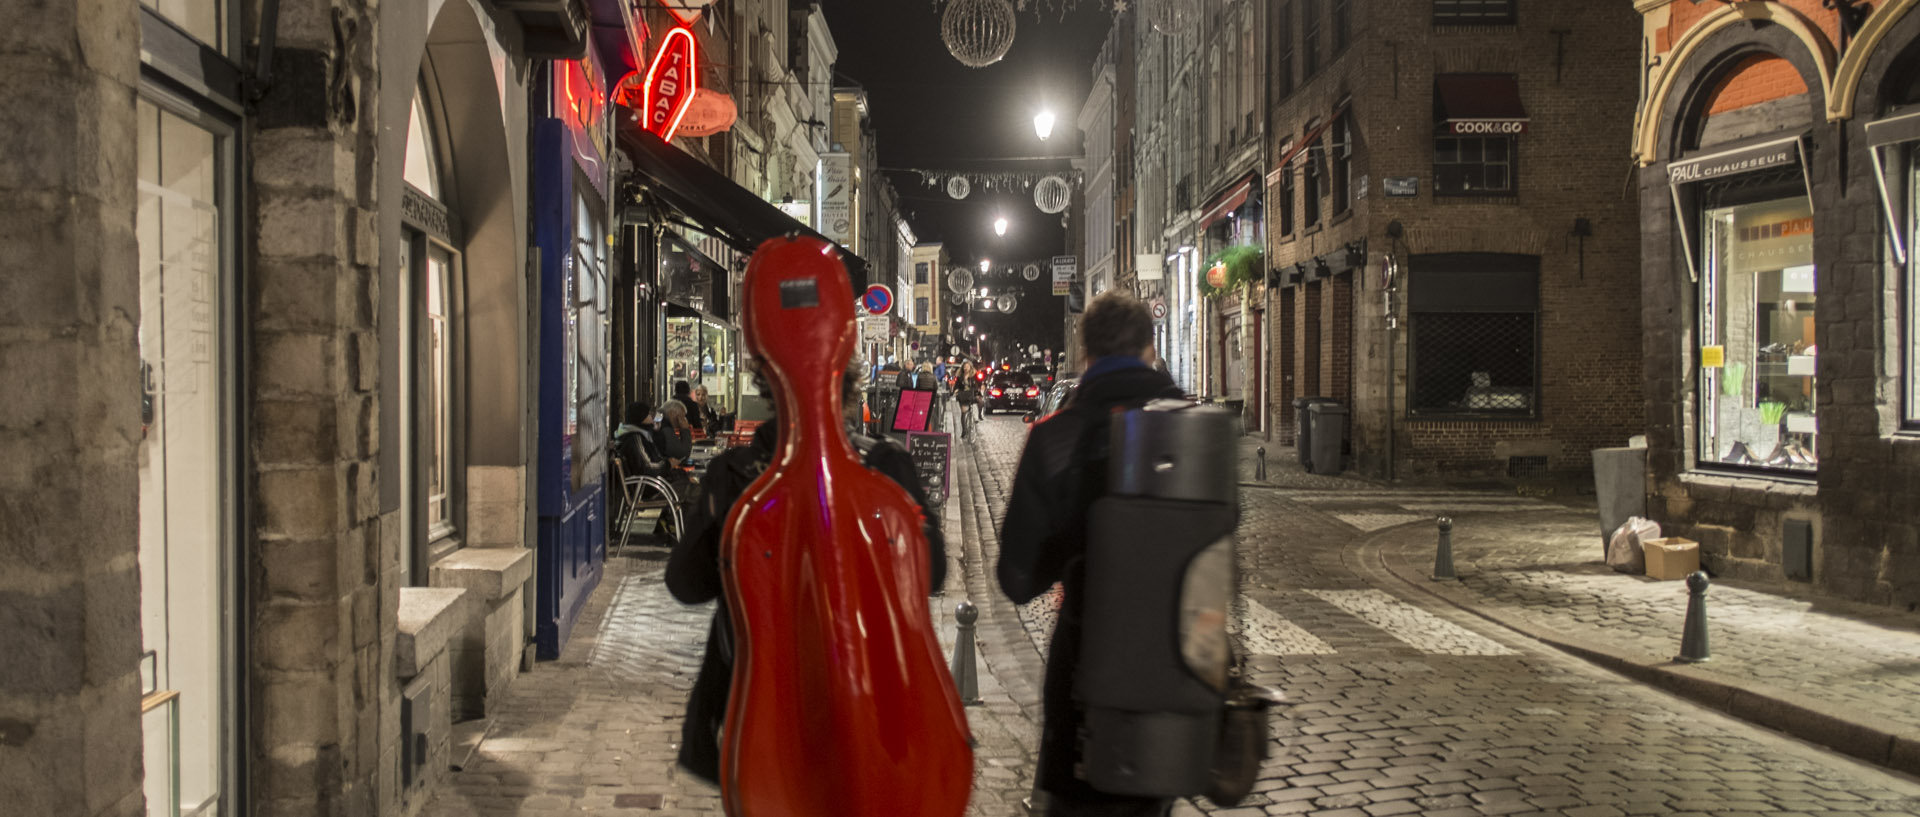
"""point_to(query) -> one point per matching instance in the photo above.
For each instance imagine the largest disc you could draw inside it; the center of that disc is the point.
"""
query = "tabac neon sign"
(670, 84)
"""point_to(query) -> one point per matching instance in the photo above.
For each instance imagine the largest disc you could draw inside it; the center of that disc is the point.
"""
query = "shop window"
(431, 264)
(1473, 12)
(1475, 336)
(1756, 319)
(588, 417)
(1342, 149)
(1473, 165)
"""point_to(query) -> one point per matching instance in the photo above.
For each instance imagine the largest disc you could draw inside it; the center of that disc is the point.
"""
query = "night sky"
(929, 111)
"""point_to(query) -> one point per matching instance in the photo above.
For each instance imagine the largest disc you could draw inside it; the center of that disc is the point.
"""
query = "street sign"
(878, 300)
(1065, 267)
(1159, 309)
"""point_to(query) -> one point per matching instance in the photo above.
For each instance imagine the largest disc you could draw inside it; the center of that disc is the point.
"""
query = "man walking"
(1043, 538)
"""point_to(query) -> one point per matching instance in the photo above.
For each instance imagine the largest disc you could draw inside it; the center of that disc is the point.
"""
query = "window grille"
(1475, 363)
(1473, 165)
(1473, 12)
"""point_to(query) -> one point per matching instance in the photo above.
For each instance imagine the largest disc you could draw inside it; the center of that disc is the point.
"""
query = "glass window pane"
(1757, 336)
(440, 397)
(200, 18)
(1446, 150)
(1496, 178)
(1496, 149)
(422, 170)
(1470, 150)
(179, 224)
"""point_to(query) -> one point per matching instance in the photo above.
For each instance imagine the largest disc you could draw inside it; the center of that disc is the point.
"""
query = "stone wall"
(322, 618)
(69, 305)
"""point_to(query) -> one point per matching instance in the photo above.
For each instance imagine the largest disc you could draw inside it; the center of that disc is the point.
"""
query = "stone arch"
(1848, 75)
(1893, 56)
(451, 46)
(1711, 47)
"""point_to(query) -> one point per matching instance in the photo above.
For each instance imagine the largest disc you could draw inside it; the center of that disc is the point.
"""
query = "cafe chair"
(642, 493)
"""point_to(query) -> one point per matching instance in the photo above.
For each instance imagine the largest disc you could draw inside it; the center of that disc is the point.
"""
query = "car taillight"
(996, 392)
(1033, 392)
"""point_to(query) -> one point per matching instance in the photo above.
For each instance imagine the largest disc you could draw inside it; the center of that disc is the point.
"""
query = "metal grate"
(1475, 363)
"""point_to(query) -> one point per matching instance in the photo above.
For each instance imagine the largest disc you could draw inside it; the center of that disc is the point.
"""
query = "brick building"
(1777, 188)
(1450, 247)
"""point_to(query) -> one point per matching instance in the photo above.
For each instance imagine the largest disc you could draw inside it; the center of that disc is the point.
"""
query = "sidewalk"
(1842, 675)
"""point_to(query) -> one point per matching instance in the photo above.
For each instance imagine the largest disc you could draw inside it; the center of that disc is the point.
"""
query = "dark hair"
(681, 388)
(1116, 324)
(637, 413)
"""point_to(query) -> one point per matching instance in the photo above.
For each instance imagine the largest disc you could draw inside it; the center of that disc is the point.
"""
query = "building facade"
(1448, 252)
(1777, 192)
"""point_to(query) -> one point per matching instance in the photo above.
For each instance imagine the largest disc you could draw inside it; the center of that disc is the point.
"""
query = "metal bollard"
(1260, 468)
(1443, 558)
(964, 675)
(1693, 634)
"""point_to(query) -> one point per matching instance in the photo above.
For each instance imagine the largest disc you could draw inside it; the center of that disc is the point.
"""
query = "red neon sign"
(670, 85)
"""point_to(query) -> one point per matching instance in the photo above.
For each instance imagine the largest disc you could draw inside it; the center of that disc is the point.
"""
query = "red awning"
(1227, 202)
(1478, 104)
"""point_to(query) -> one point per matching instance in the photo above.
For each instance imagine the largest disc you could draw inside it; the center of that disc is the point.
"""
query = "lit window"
(1757, 352)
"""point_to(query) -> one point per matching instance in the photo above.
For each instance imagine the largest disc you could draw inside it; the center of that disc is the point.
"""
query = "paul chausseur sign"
(1774, 153)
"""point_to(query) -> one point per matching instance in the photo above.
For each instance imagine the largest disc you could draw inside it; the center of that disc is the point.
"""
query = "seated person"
(674, 436)
(633, 443)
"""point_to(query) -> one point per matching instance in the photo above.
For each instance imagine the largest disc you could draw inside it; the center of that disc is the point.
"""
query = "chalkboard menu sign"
(932, 459)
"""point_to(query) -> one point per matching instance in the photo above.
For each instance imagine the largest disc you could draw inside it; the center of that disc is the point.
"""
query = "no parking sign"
(878, 299)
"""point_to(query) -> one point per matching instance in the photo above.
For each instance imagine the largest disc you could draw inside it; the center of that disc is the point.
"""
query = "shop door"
(186, 499)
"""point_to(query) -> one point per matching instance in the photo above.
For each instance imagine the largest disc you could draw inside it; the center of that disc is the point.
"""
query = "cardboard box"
(1671, 558)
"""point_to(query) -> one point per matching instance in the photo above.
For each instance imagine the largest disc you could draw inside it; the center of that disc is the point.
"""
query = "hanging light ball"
(1052, 194)
(1006, 303)
(977, 32)
(1169, 16)
(957, 187)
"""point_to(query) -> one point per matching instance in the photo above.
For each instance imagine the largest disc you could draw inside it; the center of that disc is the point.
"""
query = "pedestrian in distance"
(1043, 537)
(693, 571)
(704, 415)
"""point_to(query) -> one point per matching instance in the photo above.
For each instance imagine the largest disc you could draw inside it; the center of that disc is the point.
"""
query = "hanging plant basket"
(1230, 269)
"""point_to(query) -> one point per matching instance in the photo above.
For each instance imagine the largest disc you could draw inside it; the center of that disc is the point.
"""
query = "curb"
(1842, 729)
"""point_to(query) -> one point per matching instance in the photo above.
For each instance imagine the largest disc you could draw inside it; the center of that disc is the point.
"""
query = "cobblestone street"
(1402, 702)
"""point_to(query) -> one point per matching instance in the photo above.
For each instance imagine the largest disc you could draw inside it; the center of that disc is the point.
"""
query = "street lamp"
(984, 264)
(1043, 124)
(1000, 226)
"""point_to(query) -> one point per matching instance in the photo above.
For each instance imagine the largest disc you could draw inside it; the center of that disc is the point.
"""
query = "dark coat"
(1043, 539)
(693, 576)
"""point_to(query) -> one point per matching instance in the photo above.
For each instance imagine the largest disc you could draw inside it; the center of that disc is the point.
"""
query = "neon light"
(671, 83)
(678, 8)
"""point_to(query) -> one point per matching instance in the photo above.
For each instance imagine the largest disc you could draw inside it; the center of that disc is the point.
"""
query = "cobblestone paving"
(1548, 569)
(1383, 726)
(1379, 726)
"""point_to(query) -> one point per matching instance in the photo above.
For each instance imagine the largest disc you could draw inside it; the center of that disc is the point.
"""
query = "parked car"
(1041, 373)
(1007, 391)
(1055, 399)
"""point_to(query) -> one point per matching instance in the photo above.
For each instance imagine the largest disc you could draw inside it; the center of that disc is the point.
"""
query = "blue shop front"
(570, 181)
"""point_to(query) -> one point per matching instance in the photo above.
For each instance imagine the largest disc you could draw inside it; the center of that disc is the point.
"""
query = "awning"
(714, 202)
(1741, 156)
(1478, 105)
(1227, 202)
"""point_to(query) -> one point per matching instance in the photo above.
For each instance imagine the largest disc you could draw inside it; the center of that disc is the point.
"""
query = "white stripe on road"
(1370, 522)
(1264, 632)
(1413, 626)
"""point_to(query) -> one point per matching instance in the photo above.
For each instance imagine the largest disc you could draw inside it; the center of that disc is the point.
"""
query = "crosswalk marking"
(1413, 626)
(1370, 522)
(1265, 632)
